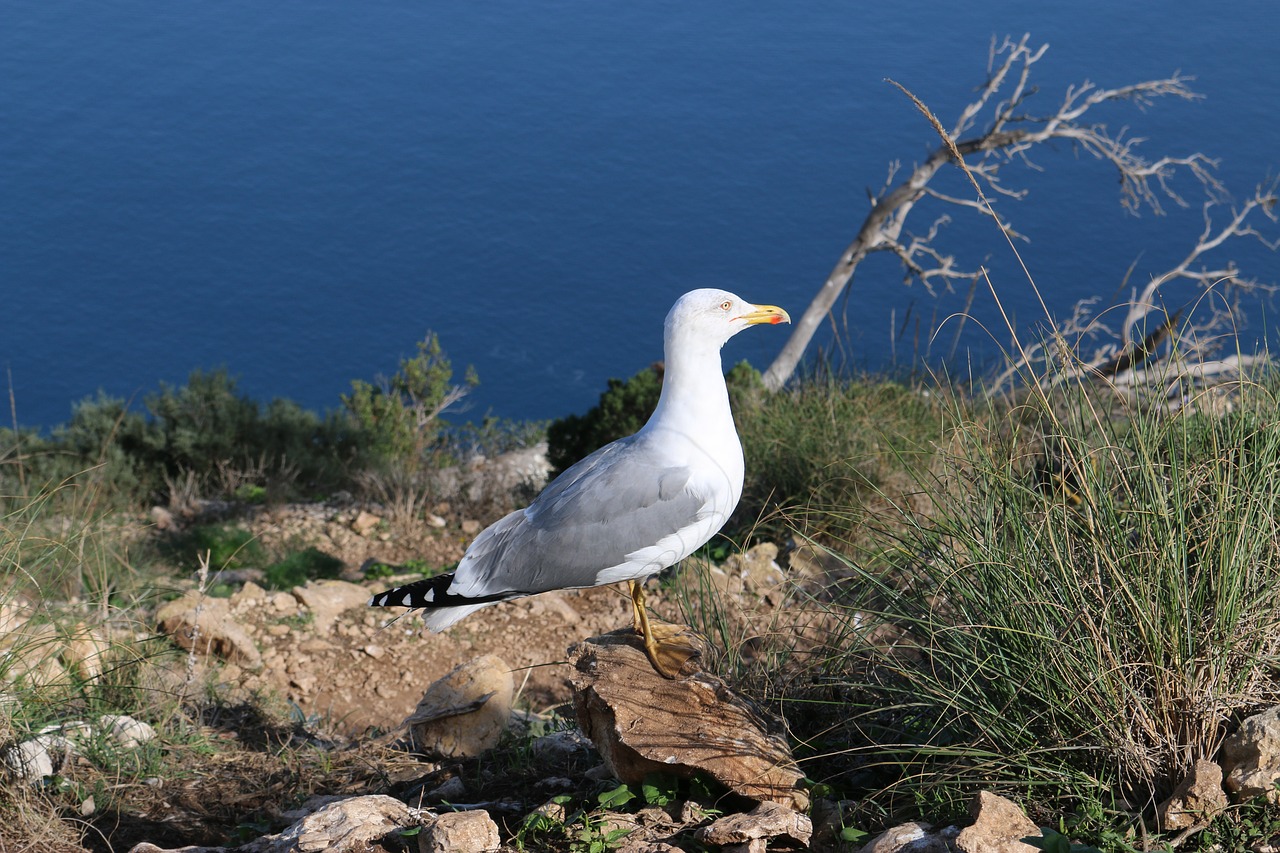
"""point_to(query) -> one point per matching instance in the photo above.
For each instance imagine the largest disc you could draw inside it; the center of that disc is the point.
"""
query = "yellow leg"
(668, 646)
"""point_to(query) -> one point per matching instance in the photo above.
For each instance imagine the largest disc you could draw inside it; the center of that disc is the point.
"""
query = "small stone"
(162, 518)
(37, 759)
(1198, 799)
(85, 652)
(250, 593)
(552, 810)
(351, 824)
(999, 826)
(278, 630)
(752, 831)
(327, 599)
(436, 521)
(561, 746)
(365, 522)
(907, 836)
(374, 650)
(124, 731)
(461, 832)
(1251, 757)
(470, 526)
(464, 713)
(451, 790)
(283, 602)
(196, 621)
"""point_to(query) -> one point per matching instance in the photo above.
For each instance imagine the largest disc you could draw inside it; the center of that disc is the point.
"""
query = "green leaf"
(852, 833)
(659, 789)
(616, 798)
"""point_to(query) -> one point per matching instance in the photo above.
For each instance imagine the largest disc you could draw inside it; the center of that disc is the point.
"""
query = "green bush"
(299, 567)
(822, 454)
(228, 547)
(208, 427)
(624, 408)
(1082, 644)
(400, 416)
(205, 430)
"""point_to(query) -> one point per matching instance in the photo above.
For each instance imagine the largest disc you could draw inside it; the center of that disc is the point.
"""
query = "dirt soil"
(342, 677)
(368, 667)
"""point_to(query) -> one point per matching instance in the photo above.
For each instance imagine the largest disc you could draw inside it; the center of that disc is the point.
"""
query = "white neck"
(693, 389)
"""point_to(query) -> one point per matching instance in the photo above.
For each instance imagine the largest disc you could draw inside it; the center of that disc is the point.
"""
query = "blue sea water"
(299, 191)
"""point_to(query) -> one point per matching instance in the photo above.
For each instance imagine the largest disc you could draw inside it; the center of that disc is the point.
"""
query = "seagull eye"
(726, 305)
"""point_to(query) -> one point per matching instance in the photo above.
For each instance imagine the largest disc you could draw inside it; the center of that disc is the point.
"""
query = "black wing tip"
(433, 593)
(424, 593)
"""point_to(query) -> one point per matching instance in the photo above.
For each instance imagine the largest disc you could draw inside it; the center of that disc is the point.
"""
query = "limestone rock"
(561, 746)
(35, 760)
(328, 599)
(758, 567)
(642, 723)
(206, 624)
(31, 652)
(460, 832)
(750, 832)
(365, 523)
(352, 825)
(815, 563)
(1251, 757)
(464, 713)
(910, 838)
(1198, 799)
(999, 826)
(124, 731)
(85, 652)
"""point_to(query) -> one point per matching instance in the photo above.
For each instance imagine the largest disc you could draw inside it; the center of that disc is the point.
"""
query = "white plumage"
(633, 507)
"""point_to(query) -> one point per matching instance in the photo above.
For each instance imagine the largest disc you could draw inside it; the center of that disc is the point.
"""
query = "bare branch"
(1010, 134)
(1171, 362)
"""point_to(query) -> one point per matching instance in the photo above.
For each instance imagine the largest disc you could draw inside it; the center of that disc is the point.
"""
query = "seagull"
(631, 508)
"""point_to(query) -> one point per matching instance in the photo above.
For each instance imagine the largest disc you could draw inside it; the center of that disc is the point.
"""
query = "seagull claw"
(669, 647)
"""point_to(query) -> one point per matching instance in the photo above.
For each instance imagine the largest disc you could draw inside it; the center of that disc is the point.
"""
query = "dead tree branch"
(1010, 135)
(1175, 359)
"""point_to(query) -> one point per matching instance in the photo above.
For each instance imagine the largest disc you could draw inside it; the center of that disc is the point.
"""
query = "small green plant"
(400, 415)
(583, 831)
(298, 567)
(1052, 841)
(1246, 826)
(228, 547)
(660, 789)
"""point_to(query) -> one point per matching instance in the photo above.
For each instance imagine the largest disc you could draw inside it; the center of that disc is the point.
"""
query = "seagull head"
(712, 316)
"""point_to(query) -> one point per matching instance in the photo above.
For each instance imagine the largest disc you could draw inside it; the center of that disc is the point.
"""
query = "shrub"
(228, 547)
(299, 567)
(624, 407)
(823, 454)
(208, 427)
(400, 415)
(1087, 635)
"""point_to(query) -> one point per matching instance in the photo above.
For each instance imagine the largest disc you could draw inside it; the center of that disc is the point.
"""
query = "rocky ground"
(316, 722)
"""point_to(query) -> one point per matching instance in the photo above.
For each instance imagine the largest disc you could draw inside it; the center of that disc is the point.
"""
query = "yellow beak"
(771, 314)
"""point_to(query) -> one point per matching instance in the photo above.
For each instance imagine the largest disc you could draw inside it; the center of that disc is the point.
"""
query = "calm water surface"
(299, 191)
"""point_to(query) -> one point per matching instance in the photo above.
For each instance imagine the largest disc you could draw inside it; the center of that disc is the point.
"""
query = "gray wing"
(612, 503)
